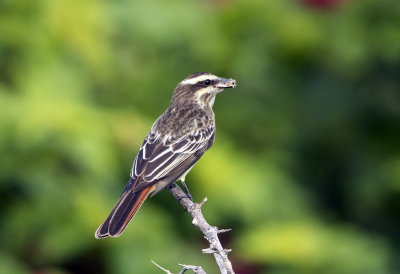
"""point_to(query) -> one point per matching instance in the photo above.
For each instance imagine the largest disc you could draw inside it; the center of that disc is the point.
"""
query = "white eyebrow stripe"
(197, 79)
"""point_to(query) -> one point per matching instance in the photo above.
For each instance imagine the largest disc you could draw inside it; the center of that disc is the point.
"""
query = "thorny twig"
(210, 232)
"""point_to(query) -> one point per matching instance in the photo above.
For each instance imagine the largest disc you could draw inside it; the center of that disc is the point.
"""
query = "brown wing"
(166, 157)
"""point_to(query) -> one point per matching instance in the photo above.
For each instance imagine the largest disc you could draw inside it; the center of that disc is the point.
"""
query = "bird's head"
(201, 87)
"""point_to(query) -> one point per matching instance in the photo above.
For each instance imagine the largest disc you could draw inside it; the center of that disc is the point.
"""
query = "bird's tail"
(124, 210)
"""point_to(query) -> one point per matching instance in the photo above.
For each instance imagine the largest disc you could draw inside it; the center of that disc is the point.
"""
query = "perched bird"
(176, 141)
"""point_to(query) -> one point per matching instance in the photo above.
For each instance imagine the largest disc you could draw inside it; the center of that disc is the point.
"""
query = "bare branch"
(210, 232)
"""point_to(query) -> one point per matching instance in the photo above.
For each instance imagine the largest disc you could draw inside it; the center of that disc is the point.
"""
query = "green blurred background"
(305, 168)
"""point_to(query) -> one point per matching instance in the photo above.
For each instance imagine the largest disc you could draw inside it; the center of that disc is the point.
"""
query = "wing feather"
(169, 157)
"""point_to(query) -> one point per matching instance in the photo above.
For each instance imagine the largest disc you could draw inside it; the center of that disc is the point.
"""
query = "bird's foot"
(187, 192)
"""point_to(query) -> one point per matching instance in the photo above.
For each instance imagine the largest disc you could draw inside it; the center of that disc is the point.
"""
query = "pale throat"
(204, 98)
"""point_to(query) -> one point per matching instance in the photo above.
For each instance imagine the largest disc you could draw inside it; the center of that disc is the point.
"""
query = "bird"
(175, 142)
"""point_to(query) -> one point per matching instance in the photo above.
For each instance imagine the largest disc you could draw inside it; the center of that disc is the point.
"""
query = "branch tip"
(202, 202)
(160, 267)
(209, 250)
(224, 230)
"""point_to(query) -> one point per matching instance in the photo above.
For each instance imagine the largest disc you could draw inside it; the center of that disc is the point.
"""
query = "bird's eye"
(207, 82)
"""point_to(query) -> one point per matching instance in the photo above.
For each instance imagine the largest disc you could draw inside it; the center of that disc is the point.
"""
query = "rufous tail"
(123, 212)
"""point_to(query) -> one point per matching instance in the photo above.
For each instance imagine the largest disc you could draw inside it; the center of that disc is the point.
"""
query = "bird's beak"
(226, 83)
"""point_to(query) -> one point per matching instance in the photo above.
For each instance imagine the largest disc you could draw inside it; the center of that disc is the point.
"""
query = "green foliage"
(305, 167)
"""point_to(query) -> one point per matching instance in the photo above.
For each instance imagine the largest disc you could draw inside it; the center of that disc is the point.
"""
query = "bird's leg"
(187, 190)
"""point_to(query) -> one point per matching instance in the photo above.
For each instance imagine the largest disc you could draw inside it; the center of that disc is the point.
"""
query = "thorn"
(202, 202)
(227, 250)
(208, 250)
(224, 230)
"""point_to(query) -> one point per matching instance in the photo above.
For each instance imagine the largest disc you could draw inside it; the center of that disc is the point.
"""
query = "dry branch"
(210, 232)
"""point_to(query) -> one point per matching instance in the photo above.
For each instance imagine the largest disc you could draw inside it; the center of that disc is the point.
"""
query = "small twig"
(203, 202)
(196, 269)
(162, 268)
(224, 230)
(208, 251)
(210, 232)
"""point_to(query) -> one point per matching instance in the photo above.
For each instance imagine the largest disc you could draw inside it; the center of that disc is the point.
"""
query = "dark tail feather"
(123, 212)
